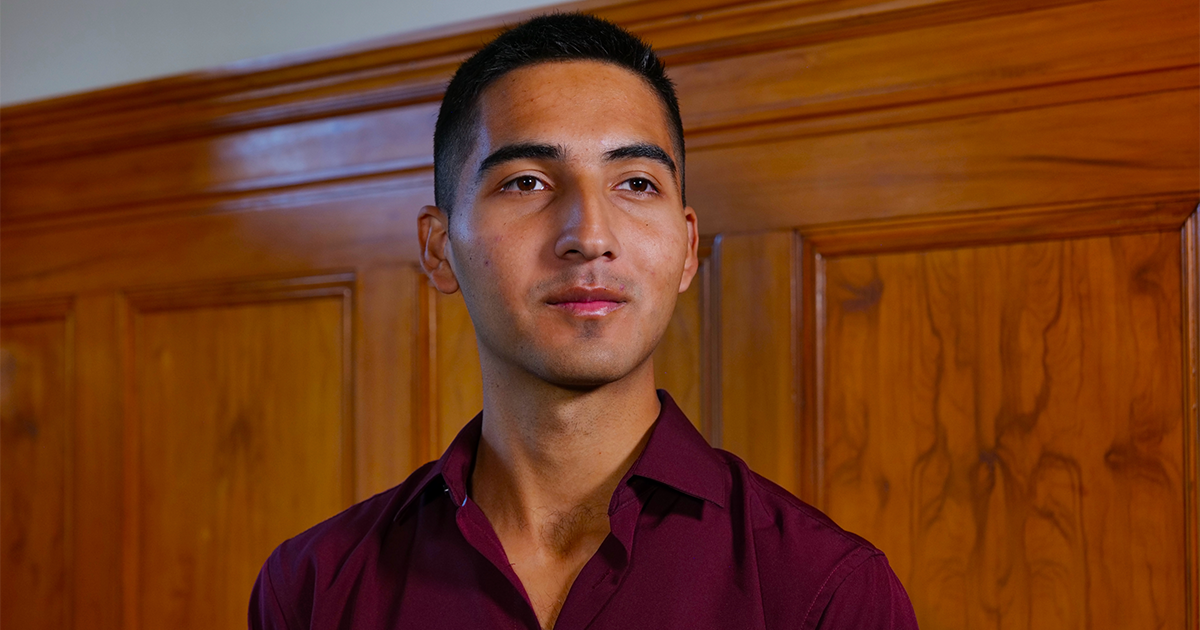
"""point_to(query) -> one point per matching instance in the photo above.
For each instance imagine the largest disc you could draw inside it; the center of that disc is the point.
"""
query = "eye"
(638, 185)
(524, 183)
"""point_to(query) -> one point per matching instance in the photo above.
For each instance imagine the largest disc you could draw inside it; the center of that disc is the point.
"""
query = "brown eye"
(638, 185)
(524, 183)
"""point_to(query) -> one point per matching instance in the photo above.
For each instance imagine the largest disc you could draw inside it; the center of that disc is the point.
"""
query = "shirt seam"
(858, 543)
(821, 591)
(275, 597)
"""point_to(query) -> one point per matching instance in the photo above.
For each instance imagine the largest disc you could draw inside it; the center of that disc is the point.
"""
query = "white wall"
(54, 47)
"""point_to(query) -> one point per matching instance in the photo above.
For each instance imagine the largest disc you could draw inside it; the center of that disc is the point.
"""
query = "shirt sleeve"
(870, 598)
(265, 611)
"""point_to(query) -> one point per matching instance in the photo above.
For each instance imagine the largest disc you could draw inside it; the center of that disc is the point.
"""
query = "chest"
(665, 588)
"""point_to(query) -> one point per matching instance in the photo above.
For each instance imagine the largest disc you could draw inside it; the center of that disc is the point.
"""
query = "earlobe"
(434, 238)
(691, 263)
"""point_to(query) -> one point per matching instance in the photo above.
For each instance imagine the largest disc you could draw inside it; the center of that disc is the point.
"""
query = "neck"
(550, 458)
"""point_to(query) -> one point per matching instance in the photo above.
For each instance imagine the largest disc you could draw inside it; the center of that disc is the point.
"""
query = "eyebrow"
(642, 150)
(522, 151)
(534, 151)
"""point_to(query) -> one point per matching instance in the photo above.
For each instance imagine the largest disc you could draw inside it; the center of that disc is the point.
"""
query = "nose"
(587, 228)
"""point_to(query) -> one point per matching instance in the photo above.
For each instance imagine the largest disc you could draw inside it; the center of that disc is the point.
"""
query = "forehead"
(581, 105)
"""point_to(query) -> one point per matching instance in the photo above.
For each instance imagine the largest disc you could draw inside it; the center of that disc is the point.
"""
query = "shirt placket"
(478, 532)
(600, 578)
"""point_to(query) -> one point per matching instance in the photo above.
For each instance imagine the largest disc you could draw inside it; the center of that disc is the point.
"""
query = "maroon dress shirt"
(698, 541)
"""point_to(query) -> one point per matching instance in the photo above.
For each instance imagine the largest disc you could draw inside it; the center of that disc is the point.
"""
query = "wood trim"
(21, 311)
(98, 477)
(1055, 221)
(412, 68)
(1190, 245)
(367, 181)
(816, 382)
(708, 343)
(131, 460)
(806, 445)
(242, 292)
(50, 310)
(917, 106)
(425, 415)
(809, 373)
(713, 385)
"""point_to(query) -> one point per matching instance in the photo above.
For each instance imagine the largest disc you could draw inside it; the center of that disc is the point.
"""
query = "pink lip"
(586, 301)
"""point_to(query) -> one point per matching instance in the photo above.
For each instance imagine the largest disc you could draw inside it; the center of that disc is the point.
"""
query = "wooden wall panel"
(35, 463)
(259, 236)
(371, 144)
(243, 436)
(679, 360)
(1058, 154)
(387, 366)
(1005, 423)
(996, 145)
(936, 62)
(756, 350)
(754, 78)
(459, 380)
(99, 461)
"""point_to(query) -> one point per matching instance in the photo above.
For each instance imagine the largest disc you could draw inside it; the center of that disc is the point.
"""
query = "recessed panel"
(1006, 423)
(34, 465)
(241, 425)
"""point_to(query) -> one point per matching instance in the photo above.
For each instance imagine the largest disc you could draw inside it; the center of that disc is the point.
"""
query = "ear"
(436, 257)
(691, 264)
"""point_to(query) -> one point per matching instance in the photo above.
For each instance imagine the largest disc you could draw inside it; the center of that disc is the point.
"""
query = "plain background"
(56, 47)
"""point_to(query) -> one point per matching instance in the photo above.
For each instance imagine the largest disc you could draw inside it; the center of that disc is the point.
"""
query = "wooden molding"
(39, 309)
(413, 68)
(1190, 240)
(1053, 221)
(763, 84)
(240, 292)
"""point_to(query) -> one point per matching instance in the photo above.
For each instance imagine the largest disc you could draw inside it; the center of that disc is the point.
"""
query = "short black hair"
(546, 38)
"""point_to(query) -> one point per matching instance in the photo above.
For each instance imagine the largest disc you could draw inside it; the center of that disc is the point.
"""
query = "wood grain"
(387, 365)
(287, 236)
(1037, 157)
(411, 69)
(241, 417)
(1190, 240)
(353, 147)
(98, 463)
(755, 75)
(757, 353)
(1121, 147)
(834, 77)
(36, 532)
(1005, 423)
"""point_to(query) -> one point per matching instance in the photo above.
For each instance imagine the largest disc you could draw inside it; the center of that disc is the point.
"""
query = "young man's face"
(569, 239)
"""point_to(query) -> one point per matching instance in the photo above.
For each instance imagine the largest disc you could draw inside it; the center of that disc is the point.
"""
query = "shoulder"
(809, 567)
(307, 564)
(783, 521)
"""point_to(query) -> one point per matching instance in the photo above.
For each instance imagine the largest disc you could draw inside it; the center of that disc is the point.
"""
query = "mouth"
(587, 301)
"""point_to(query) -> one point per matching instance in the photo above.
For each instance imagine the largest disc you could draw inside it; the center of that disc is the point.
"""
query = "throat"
(549, 554)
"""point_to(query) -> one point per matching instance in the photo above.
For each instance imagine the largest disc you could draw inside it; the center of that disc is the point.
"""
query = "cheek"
(663, 251)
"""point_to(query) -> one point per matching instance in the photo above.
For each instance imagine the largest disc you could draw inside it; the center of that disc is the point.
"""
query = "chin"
(585, 370)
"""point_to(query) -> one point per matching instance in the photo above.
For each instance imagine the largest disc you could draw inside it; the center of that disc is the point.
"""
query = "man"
(579, 497)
